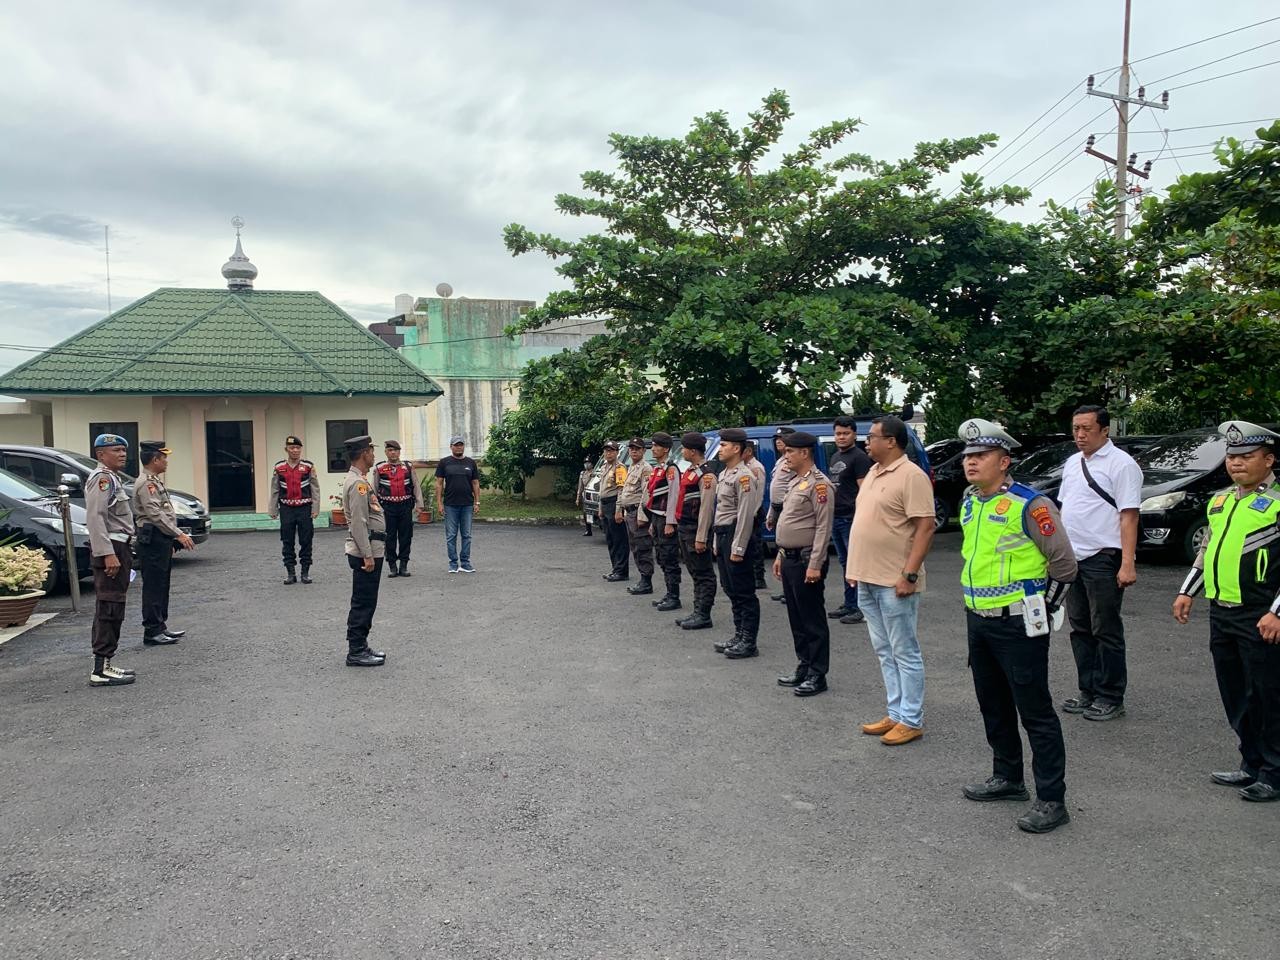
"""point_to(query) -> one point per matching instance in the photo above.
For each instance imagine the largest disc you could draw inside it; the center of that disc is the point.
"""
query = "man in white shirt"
(1101, 492)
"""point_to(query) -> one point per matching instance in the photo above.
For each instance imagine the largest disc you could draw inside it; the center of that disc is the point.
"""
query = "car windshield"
(19, 489)
(1047, 462)
(1184, 453)
(90, 464)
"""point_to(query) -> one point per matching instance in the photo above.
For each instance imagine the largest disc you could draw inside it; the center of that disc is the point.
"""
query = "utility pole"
(1123, 160)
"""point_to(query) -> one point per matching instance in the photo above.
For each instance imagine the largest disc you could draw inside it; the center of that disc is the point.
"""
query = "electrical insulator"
(1142, 93)
(1088, 84)
(1133, 158)
(1146, 167)
(1164, 98)
(1090, 142)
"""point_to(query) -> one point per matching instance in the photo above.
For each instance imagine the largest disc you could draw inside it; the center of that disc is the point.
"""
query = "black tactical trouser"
(109, 599)
(666, 549)
(1248, 672)
(155, 560)
(807, 611)
(738, 580)
(364, 601)
(615, 538)
(701, 567)
(399, 518)
(296, 522)
(641, 538)
(1011, 678)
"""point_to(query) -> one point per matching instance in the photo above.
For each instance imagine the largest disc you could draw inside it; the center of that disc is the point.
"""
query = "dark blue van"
(762, 438)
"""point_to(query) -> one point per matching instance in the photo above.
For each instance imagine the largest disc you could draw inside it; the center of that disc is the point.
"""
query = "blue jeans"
(458, 520)
(840, 528)
(891, 621)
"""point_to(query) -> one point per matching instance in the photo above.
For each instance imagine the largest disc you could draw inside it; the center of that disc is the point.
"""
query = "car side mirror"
(71, 481)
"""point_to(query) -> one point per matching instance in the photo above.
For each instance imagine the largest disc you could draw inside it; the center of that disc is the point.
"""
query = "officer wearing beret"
(365, 548)
(738, 497)
(757, 530)
(1235, 570)
(110, 521)
(694, 508)
(631, 511)
(803, 532)
(158, 536)
(779, 481)
(1017, 564)
(612, 477)
(295, 499)
(400, 495)
(660, 505)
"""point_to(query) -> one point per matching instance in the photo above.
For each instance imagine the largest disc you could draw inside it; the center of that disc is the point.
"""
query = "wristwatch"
(910, 577)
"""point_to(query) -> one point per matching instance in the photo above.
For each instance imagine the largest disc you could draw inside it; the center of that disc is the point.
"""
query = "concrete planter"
(15, 610)
(338, 518)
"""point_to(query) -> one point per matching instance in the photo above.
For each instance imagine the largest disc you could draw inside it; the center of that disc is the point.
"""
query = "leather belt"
(377, 536)
(120, 538)
(792, 553)
(999, 613)
(725, 528)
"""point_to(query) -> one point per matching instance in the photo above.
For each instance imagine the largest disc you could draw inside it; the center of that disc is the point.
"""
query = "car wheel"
(1196, 537)
(941, 514)
(55, 578)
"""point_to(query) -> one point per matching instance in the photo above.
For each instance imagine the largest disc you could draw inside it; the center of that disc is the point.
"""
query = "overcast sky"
(380, 148)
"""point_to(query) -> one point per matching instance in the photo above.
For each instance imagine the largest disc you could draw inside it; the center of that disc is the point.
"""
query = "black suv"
(48, 467)
(29, 517)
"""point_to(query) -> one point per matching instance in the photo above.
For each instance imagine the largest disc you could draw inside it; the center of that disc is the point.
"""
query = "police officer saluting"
(1017, 564)
(400, 495)
(612, 477)
(158, 533)
(803, 532)
(693, 508)
(660, 506)
(738, 497)
(295, 499)
(365, 548)
(110, 522)
(1235, 571)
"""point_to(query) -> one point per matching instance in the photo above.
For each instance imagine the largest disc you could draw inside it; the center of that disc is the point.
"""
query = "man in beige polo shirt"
(892, 532)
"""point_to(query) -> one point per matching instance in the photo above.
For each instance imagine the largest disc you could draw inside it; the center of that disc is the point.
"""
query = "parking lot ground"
(547, 768)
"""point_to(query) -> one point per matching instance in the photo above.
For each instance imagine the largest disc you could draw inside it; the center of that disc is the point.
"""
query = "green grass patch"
(495, 505)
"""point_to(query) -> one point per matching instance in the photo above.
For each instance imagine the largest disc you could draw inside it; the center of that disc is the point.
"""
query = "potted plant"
(22, 571)
(337, 515)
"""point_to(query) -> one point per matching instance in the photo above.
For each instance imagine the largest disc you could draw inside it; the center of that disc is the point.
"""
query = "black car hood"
(1157, 482)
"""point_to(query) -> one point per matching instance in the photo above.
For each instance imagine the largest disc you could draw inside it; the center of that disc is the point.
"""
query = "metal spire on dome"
(238, 271)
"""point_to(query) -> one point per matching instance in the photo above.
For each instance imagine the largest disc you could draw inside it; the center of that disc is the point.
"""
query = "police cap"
(610, 445)
(1245, 437)
(983, 435)
(733, 435)
(661, 439)
(148, 450)
(800, 440)
(694, 441)
(636, 444)
(783, 431)
(392, 444)
(357, 445)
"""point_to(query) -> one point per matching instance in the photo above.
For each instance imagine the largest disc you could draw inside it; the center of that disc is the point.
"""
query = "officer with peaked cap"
(612, 476)
(365, 548)
(1235, 570)
(109, 518)
(1018, 562)
(694, 509)
(400, 494)
(660, 505)
(738, 497)
(295, 499)
(158, 536)
(631, 510)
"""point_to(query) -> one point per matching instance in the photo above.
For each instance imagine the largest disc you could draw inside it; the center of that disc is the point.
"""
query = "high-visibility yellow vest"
(1002, 564)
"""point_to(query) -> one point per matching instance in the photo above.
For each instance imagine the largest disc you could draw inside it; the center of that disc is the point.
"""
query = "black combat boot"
(670, 602)
(698, 620)
(404, 568)
(292, 575)
(722, 646)
(306, 573)
(393, 570)
(744, 648)
(644, 586)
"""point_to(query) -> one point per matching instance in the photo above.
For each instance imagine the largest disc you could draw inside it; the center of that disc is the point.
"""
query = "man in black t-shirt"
(458, 499)
(848, 467)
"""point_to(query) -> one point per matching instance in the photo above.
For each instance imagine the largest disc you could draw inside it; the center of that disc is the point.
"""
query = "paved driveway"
(546, 768)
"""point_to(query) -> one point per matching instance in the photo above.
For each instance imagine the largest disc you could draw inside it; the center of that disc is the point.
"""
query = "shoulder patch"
(151, 488)
(708, 481)
(362, 488)
(1044, 521)
(744, 481)
(104, 483)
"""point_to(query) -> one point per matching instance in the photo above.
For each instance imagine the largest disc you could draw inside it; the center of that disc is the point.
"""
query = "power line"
(1229, 56)
(1221, 76)
(1206, 126)
(1073, 133)
(1026, 128)
(1195, 43)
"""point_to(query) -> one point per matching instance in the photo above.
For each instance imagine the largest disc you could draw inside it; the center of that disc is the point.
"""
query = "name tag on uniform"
(997, 518)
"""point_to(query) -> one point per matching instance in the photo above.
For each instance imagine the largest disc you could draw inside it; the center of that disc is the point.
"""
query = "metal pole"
(1122, 136)
(73, 566)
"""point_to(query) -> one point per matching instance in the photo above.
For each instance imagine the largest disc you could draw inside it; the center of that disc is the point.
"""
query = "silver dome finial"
(238, 271)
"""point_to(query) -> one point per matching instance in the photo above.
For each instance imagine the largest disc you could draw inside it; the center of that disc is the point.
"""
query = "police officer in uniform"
(612, 477)
(631, 509)
(660, 505)
(401, 496)
(803, 532)
(779, 481)
(365, 548)
(1238, 569)
(738, 498)
(158, 537)
(295, 499)
(1017, 564)
(692, 510)
(110, 521)
(757, 530)
(584, 477)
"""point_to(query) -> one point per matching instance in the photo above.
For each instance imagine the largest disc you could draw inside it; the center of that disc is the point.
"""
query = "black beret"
(693, 441)
(734, 435)
(800, 440)
(663, 439)
(292, 442)
(392, 444)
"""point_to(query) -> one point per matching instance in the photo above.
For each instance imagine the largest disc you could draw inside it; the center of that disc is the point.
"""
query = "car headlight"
(182, 510)
(1163, 502)
(53, 523)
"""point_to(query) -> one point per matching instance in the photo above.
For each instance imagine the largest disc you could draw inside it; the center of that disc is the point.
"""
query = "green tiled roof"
(182, 341)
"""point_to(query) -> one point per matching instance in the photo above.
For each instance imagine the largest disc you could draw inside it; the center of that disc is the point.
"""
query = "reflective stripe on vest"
(1002, 564)
(1238, 528)
(658, 488)
(294, 484)
(393, 482)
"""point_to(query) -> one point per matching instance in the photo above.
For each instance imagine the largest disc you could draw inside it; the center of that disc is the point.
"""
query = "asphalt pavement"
(548, 768)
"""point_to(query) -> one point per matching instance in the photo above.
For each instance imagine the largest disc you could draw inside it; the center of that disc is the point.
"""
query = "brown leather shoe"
(880, 727)
(900, 734)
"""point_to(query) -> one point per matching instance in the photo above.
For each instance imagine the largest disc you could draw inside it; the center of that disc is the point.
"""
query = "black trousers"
(296, 523)
(666, 550)
(640, 537)
(738, 580)
(701, 567)
(399, 530)
(155, 560)
(364, 601)
(615, 538)
(1248, 671)
(109, 599)
(1011, 678)
(1097, 632)
(807, 611)
(757, 537)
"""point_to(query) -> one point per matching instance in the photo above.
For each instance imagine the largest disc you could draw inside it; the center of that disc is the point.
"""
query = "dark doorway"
(230, 450)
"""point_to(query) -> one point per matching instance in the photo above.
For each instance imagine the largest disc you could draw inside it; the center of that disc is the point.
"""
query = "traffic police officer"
(631, 509)
(660, 505)
(738, 497)
(365, 548)
(693, 509)
(612, 477)
(1235, 572)
(401, 496)
(1017, 564)
(295, 499)
(803, 532)
(158, 536)
(110, 521)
